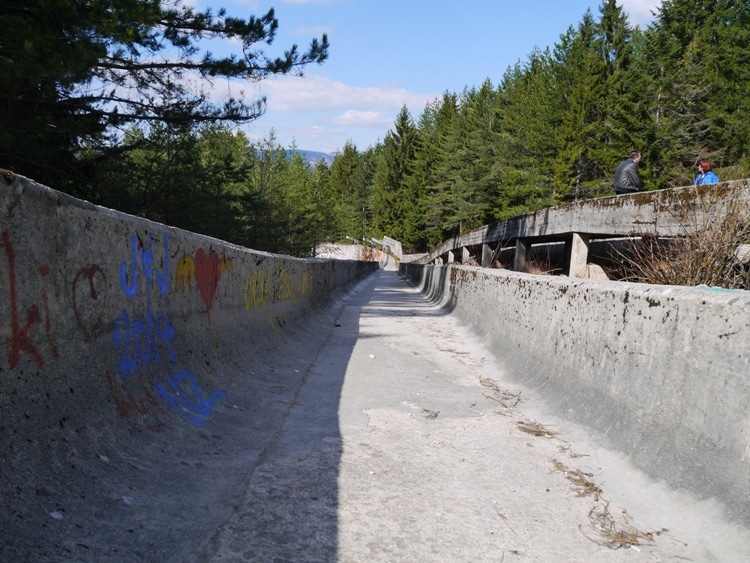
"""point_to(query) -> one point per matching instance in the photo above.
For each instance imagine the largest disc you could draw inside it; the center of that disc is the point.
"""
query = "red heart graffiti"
(207, 276)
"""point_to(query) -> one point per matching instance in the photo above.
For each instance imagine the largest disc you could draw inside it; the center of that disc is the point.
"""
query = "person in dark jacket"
(706, 174)
(627, 179)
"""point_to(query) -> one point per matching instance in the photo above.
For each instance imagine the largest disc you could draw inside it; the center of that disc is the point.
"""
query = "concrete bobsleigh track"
(120, 341)
(661, 372)
(166, 396)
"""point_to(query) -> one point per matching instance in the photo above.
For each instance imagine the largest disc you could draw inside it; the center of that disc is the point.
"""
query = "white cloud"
(640, 11)
(298, 2)
(314, 93)
(251, 4)
(353, 118)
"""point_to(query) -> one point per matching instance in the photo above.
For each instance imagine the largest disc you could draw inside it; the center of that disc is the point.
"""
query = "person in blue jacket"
(706, 175)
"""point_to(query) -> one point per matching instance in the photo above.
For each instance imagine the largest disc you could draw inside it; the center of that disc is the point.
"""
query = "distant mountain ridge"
(313, 157)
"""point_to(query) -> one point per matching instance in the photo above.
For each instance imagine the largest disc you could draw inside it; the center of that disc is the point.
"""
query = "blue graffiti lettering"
(142, 341)
(162, 276)
(128, 363)
(147, 264)
(130, 288)
(189, 403)
(166, 333)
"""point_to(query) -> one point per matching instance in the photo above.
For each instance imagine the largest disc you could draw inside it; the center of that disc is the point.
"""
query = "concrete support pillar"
(577, 254)
(465, 255)
(451, 257)
(486, 256)
(522, 249)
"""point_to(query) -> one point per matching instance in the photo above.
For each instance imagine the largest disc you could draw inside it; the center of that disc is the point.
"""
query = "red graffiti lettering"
(125, 403)
(19, 341)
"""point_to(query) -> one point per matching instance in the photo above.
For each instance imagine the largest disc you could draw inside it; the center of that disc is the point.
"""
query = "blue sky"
(385, 54)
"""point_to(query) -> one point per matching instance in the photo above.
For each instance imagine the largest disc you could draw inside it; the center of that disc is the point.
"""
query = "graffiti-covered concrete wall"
(102, 308)
(661, 372)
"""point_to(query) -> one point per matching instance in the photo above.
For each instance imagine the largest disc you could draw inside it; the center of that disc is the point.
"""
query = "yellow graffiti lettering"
(286, 287)
(256, 289)
(305, 285)
(276, 323)
(185, 273)
(226, 266)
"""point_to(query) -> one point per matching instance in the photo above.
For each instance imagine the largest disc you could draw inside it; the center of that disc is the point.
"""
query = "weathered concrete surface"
(122, 341)
(660, 372)
(403, 443)
(357, 252)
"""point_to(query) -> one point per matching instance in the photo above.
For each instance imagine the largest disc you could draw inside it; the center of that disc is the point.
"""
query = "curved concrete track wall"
(357, 252)
(113, 329)
(662, 373)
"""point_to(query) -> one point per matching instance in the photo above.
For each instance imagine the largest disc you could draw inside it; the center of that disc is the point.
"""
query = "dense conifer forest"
(84, 110)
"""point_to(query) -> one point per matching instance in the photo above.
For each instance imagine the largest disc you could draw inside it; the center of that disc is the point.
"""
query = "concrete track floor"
(406, 443)
(379, 430)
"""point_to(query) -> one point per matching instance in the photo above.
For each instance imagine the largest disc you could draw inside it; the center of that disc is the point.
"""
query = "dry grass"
(615, 535)
(567, 449)
(504, 519)
(537, 268)
(582, 483)
(704, 253)
(536, 429)
(610, 531)
(453, 351)
(505, 398)
(487, 382)
(605, 529)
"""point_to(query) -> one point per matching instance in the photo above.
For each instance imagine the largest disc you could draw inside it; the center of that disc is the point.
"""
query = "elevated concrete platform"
(664, 214)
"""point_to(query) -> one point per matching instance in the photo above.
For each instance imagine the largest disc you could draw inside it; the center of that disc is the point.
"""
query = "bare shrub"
(538, 268)
(540, 261)
(704, 252)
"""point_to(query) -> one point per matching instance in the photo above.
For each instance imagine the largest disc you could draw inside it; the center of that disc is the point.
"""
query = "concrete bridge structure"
(166, 396)
(582, 224)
